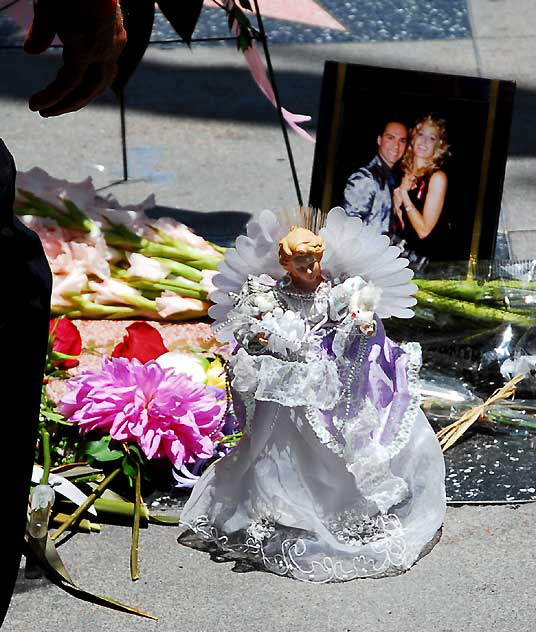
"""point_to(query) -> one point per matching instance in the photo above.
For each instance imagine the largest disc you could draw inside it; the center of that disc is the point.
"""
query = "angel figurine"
(338, 474)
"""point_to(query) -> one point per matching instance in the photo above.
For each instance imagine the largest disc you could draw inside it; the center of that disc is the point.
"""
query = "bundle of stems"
(166, 266)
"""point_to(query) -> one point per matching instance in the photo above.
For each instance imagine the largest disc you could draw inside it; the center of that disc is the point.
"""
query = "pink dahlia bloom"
(166, 413)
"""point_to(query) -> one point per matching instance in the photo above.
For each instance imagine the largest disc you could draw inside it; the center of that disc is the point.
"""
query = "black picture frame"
(356, 102)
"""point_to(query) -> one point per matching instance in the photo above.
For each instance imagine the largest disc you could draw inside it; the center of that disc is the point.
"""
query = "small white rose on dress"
(287, 330)
(265, 302)
(364, 302)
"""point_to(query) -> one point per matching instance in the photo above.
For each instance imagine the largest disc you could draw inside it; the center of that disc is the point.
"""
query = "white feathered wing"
(352, 249)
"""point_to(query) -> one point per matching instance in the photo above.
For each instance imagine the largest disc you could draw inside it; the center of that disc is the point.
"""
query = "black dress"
(26, 288)
(435, 245)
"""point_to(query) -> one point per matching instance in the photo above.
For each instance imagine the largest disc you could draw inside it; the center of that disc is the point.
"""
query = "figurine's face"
(304, 270)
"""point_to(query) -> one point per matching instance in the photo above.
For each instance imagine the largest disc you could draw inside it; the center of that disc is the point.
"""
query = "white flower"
(265, 302)
(112, 291)
(286, 330)
(54, 190)
(364, 302)
(180, 232)
(524, 365)
(170, 304)
(145, 267)
(71, 283)
(188, 363)
(206, 282)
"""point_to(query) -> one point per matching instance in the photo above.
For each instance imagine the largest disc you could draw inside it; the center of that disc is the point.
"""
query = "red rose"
(65, 338)
(142, 341)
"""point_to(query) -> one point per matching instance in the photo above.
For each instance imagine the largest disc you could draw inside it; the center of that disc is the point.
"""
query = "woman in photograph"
(419, 200)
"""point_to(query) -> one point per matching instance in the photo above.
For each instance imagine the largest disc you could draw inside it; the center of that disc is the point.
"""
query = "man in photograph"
(369, 191)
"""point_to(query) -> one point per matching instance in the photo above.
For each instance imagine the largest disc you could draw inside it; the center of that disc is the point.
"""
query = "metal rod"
(8, 5)
(151, 43)
(278, 103)
(123, 134)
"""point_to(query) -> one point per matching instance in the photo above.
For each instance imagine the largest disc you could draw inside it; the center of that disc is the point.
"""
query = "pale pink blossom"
(64, 284)
(91, 259)
(206, 282)
(111, 291)
(55, 190)
(146, 267)
(170, 304)
(182, 233)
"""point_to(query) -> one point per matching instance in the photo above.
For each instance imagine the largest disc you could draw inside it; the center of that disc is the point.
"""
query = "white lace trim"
(383, 535)
(288, 383)
(315, 419)
(355, 529)
(369, 462)
(413, 349)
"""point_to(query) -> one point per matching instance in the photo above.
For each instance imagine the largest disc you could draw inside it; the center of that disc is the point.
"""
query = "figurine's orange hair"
(299, 242)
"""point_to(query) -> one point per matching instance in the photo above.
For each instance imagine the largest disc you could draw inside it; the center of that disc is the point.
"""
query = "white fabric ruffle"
(288, 383)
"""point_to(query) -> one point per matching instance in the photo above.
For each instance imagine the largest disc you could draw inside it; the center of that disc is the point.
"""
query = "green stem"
(134, 547)
(169, 286)
(164, 520)
(77, 514)
(504, 420)
(471, 310)
(45, 445)
(181, 269)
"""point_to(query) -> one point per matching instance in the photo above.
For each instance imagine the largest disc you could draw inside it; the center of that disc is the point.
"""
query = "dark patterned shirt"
(368, 195)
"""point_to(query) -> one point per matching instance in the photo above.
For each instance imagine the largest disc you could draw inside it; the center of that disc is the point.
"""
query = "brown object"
(93, 37)
(450, 434)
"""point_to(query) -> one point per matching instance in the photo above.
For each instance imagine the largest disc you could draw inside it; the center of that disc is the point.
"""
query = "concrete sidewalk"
(478, 578)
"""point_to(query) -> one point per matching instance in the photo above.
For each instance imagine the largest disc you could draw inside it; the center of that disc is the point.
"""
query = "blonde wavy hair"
(299, 242)
(441, 151)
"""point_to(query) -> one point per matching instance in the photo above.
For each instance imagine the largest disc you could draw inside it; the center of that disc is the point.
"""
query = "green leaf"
(246, 4)
(134, 449)
(138, 18)
(129, 469)
(244, 40)
(164, 520)
(182, 15)
(100, 450)
(46, 555)
(52, 416)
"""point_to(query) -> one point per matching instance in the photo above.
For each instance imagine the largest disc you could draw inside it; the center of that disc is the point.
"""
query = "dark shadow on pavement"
(224, 93)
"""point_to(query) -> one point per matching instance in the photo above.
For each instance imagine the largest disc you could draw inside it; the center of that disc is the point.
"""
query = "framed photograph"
(418, 156)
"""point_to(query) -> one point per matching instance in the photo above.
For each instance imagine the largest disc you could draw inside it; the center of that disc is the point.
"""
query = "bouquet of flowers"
(111, 261)
(144, 404)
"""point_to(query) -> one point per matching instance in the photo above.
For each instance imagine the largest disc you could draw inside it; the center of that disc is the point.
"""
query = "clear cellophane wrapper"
(470, 319)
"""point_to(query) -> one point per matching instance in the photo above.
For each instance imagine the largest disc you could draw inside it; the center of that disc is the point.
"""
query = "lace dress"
(339, 474)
